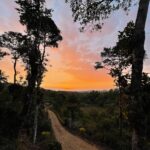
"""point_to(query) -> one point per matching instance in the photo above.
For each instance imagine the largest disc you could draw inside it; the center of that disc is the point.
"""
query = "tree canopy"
(118, 59)
(91, 13)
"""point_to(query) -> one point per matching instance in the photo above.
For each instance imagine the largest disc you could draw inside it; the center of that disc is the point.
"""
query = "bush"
(54, 146)
(6, 144)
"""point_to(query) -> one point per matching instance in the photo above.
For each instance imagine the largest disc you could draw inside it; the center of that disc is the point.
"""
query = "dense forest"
(117, 119)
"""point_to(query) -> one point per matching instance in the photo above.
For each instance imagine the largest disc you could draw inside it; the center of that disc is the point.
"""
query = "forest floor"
(68, 140)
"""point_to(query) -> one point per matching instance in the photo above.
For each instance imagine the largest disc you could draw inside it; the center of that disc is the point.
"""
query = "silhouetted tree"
(118, 60)
(41, 32)
(3, 78)
(13, 41)
(93, 12)
(2, 54)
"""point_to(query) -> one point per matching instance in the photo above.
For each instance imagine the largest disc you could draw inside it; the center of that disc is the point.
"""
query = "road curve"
(67, 140)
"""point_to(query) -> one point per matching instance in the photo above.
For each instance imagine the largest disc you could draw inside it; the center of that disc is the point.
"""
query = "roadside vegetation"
(94, 116)
(10, 116)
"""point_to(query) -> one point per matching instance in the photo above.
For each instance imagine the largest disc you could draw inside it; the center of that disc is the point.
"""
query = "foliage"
(10, 110)
(41, 32)
(2, 54)
(13, 41)
(118, 59)
(3, 77)
(97, 116)
(91, 13)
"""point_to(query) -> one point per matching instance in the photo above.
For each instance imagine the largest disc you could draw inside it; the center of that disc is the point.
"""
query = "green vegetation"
(25, 104)
(94, 116)
(11, 105)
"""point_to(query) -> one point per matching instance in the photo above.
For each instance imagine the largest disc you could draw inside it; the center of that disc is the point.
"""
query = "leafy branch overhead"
(91, 13)
(2, 54)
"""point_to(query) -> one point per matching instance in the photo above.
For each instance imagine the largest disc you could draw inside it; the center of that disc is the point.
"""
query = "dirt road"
(67, 140)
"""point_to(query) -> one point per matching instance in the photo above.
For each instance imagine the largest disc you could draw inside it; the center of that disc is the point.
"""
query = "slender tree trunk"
(120, 118)
(15, 71)
(120, 113)
(35, 123)
(137, 67)
(36, 114)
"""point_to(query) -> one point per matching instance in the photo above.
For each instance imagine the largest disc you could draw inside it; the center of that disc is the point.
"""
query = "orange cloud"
(73, 68)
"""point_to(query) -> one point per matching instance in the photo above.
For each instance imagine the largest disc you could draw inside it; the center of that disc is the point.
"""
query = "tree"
(118, 61)
(41, 32)
(137, 67)
(93, 12)
(72, 108)
(3, 78)
(13, 41)
(2, 54)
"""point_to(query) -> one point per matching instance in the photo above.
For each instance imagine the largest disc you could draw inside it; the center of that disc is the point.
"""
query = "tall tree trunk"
(29, 95)
(120, 112)
(137, 67)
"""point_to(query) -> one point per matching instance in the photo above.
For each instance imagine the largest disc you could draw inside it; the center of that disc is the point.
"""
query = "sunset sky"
(70, 66)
